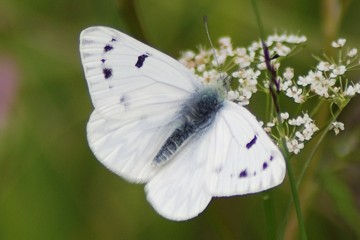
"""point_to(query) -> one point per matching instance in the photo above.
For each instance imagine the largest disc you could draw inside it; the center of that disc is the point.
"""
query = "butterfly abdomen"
(197, 114)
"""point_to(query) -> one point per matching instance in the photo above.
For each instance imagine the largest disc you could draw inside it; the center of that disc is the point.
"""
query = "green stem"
(274, 91)
(270, 215)
(292, 182)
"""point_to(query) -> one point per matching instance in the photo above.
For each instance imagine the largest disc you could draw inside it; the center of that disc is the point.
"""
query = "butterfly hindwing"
(246, 160)
(126, 149)
(234, 156)
(179, 191)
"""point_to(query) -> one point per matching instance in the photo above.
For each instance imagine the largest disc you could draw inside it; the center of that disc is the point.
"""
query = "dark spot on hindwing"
(108, 48)
(113, 40)
(265, 165)
(122, 99)
(103, 60)
(107, 72)
(252, 142)
(141, 60)
(243, 173)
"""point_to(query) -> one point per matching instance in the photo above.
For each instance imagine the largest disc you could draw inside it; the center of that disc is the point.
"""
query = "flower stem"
(270, 217)
(274, 91)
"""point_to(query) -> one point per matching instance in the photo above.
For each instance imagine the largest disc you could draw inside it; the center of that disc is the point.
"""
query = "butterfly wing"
(137, 93)
(128, 80)
(126, 148)
(234, 156)
(178, 192)
(246, 160)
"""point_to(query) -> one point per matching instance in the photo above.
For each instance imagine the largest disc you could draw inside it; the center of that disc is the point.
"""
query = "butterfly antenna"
(205, 18)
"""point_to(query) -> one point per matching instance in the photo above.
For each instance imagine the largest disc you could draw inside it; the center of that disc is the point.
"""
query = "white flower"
(225, 42)
(352, 52)
(295, 93)
(309, 130)
(296, 39)
(357, 88)
(201, 68)
(282, 49)
(300, 136)
(296, 122)
(319, 84)
(209, 76)
(324, 66)
(304, 81)
(284, 116)
(294, 146)
(285, 85)
(247, 79)
(255, 46)
(261, 66)
(300, 120)
(289, 73)
(187, 59)
(242, 58)
(337, 126)
(232, 95)
(350, 91)
(339, 43)
(338, 70)
(270, 124)
(306, 119)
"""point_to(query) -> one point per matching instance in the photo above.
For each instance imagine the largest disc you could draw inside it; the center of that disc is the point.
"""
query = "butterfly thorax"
(197, 114)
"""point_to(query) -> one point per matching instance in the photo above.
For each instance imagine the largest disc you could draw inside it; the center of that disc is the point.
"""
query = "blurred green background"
(52, 187)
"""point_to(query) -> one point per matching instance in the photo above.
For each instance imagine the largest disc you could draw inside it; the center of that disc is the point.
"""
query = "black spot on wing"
(252, 142)
(265, 165)
(122, 99)
(113, 40)
(107, 72)
(141, 60)
(243, 173)
(103, 60)
(271, 158)
(108, 48)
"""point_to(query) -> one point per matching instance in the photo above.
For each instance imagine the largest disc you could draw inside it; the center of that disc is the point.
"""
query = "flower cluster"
(304, 129)
(327, 81)
(247, 68)
(245, 64)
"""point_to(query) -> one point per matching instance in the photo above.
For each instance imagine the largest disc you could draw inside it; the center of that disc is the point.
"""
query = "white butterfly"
(155, 123)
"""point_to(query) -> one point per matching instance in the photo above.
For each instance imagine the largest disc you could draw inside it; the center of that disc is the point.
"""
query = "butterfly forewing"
(128, 79)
